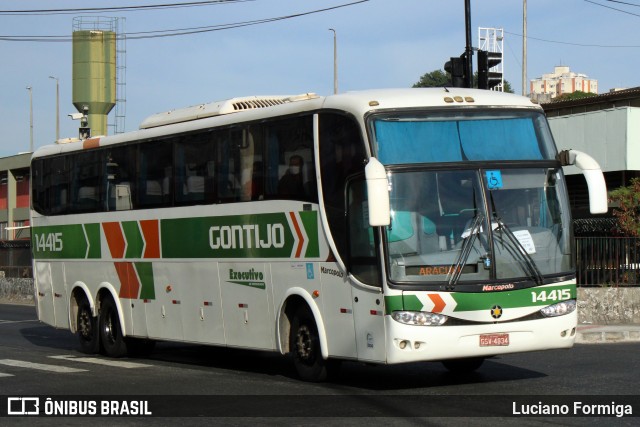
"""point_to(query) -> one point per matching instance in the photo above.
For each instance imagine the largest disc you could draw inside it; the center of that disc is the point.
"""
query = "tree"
(574, 95)
(438, 78)
(627, 210)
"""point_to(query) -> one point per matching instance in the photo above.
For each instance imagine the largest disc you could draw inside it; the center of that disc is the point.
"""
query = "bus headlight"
(559, 309)
(420, 318)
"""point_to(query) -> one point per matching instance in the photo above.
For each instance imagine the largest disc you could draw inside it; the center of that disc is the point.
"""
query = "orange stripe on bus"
(151, 233)
(90, 143)
(129, 284)
(115, 239)
(299, 233)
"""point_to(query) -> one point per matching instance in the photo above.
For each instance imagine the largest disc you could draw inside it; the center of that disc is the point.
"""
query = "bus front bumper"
(407, 343)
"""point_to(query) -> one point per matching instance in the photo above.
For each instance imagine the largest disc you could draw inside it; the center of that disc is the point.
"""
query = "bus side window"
(229, 171)
(155, 165)
(52, 177)
(87, 185)
(342, 154)
(194, 168)
(363, 260)
(120, 170)
(290, 160)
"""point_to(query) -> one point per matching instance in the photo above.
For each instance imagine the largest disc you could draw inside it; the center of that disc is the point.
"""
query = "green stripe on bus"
(133, 236)
(145, 273)
(538, 296)
(310, 223)
(530, 297)
(235, 236)
(65, 242)
(92, 232)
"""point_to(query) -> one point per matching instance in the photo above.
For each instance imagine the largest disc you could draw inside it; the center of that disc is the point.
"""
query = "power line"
(117, 8)
(574, 44)
(181, 31)
(613, 8)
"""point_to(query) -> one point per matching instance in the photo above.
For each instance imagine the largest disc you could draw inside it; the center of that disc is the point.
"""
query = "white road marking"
(105, 362)
(2, 374)
(39, 366)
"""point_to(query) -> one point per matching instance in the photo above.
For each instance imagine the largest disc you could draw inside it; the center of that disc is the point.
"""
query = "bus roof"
(358, 103)
(362, 100)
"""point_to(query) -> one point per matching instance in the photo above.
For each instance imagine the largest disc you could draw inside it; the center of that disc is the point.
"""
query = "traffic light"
(457, 69)
(486, 61)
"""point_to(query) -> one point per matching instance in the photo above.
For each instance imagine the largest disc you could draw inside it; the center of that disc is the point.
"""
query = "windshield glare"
(477, 225)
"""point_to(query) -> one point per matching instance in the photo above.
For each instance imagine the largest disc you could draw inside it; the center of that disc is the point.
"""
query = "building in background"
(15, 252)
(607, 127)
(560, 82)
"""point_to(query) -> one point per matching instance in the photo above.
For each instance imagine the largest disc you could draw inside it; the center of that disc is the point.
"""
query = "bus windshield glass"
(468, 135)
(477, 225)
(491, 216)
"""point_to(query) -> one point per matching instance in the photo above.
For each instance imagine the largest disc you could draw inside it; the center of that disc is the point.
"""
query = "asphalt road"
(238, 387)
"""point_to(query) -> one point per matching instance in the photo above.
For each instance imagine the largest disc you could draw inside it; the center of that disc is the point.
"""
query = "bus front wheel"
(113, 343)
(87, 328)
(305, 347)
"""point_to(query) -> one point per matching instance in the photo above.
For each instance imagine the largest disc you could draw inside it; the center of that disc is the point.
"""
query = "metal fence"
(608, 261)
(15, 259)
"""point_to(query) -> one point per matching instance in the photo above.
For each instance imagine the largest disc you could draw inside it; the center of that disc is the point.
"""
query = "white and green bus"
(383, 226)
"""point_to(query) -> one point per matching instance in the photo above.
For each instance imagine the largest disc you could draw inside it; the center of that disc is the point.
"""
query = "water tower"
(94, 69)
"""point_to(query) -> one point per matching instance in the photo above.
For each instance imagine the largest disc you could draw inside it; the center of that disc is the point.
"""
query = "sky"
(380, 44)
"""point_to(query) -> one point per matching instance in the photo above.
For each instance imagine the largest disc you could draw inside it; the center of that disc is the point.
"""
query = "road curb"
(595, 334)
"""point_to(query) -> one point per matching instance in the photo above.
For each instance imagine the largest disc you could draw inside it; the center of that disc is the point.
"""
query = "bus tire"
(305, 347)
(113, 343)
(87, 327)
(463, 366)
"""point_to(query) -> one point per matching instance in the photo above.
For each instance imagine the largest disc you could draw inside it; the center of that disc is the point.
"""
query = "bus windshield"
(468, 135)
(477, 225)
(468, 203)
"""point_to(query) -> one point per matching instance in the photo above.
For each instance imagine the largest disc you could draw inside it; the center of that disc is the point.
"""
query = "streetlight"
(30, 89)
(524, 48)
(57, 107)
(335, 61)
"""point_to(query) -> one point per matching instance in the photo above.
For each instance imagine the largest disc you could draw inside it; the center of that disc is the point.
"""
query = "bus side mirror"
(592, 173)
(377, 193)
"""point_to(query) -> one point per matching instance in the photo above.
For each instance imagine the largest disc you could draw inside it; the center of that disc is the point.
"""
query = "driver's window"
(363, 256)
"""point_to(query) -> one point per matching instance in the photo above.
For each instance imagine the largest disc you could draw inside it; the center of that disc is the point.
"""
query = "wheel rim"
(109, 332)
(304, 344)
(84, 324)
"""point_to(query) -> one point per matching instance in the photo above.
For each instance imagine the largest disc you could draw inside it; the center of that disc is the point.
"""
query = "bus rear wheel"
(87, 327)
(113, 343)
(463, 366)
(304, 343)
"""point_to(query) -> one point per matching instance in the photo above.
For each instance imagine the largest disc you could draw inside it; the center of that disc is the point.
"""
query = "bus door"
(365, 276)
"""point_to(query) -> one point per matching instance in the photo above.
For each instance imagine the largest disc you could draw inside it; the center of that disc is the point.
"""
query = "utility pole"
(30, 89)
(335, 61)
(57, 107)
(469, 49)
(524, 47)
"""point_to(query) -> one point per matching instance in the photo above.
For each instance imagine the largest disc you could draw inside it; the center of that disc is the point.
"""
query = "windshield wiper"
(465, 250)
(518, 252)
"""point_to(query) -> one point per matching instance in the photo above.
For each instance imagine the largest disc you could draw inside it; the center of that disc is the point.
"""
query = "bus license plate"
(492, 340)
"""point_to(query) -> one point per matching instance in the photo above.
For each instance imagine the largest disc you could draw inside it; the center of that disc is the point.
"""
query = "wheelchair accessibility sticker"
(494, 179)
